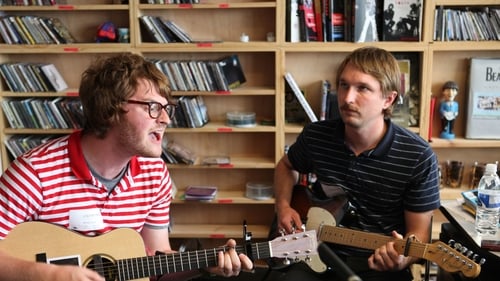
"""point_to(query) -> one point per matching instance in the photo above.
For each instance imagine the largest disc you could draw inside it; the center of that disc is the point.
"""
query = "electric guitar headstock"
(453, 259)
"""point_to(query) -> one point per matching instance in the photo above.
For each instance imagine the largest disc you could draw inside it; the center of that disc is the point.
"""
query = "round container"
(240, 119)
(259, 191)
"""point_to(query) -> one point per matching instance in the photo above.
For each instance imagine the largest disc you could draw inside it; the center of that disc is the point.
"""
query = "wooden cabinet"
(216, 27)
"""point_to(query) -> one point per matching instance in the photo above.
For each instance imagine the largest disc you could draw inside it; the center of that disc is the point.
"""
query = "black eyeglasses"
(154, 108)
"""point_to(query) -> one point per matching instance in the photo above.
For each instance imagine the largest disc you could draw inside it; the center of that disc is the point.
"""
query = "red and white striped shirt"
(52, 179)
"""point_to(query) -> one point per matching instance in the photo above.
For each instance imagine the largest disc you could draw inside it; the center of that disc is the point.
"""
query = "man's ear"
(391, 99)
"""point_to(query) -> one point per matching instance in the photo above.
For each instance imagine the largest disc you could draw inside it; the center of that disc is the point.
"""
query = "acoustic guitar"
(323, 220)
(120, 254)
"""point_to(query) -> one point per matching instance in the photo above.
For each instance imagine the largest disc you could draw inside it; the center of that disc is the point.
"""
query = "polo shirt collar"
(382, 147)
(78, 164)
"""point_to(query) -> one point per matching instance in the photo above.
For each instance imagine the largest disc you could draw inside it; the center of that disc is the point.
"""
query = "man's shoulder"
(404, 135)
(50, 146)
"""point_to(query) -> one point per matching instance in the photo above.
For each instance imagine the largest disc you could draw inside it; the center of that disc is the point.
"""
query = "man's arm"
(285, 177)
(14, 269)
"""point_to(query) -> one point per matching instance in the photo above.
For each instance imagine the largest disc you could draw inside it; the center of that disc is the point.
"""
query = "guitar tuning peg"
(303, 227)
(482, 261)
(457, 246)
(475, 257)
(451, 242)
(286, 261)
(308, 259)
(469, 253)
(463, 250)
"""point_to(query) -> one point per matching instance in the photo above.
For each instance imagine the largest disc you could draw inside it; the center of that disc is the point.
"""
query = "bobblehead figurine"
(448, 109)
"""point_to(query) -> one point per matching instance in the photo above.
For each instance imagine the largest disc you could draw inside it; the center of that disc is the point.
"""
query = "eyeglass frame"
(169, 107)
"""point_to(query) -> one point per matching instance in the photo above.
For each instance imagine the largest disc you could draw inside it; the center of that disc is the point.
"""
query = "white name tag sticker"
(86, 220)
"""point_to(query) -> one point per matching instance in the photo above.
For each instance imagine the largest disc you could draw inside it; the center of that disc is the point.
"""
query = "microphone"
(332, 260)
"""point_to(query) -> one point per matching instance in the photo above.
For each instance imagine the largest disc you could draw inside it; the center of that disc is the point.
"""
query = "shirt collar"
(77, 160)
(382, 147)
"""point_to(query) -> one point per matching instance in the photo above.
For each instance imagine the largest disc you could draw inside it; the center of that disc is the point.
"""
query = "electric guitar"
(324, 222)
(120, 254)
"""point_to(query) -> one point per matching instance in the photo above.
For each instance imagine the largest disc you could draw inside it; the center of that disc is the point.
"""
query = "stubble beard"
(137, 142)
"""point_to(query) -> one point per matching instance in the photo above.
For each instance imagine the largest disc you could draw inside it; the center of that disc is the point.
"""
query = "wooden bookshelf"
(218, 25)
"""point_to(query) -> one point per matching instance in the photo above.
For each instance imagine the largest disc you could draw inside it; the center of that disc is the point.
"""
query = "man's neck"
(364, 139)
(103, 156)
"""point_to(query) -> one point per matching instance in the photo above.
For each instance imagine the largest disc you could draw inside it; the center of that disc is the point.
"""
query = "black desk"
(461, 229)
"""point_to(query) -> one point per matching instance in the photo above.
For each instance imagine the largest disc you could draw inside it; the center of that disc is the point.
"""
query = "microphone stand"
(332, 260)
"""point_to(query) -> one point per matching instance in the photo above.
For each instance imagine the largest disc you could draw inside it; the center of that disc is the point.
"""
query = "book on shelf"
(232, 71)
(364, 22)
(470, 200)
(332, 106)
(12, 35)
(12, 119)
(8, 77)
(188, 116)
(307, 21)
(467, 24)
(338, 21)
(292, 21)
(43, 113)
(32, 77)
(300, 97)
(294, 112)
(222, 74)
(329, 102)
(333, 20)
(54, 77)
(179, 34)
(402, 20)
(200, 192)
(179, 151)
(202, 107)
(319, 18)
(483, 110)
(325, 90)
(4, 33)
(151, 31)
(20, 144)
(191, 112)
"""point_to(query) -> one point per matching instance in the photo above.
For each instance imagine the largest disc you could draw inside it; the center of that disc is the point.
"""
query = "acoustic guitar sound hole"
(104, 265)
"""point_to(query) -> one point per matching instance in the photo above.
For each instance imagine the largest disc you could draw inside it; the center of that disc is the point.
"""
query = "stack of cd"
(240, 119)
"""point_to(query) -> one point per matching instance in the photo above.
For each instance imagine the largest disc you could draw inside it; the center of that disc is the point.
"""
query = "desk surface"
(453, 211)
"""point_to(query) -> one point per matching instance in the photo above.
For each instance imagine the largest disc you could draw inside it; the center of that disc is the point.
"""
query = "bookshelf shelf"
(214, 5)
(464, 143)
(465, 46)
(66, 8)
(221, 127)
(236, 163)
(217, 25)
(224, 197)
